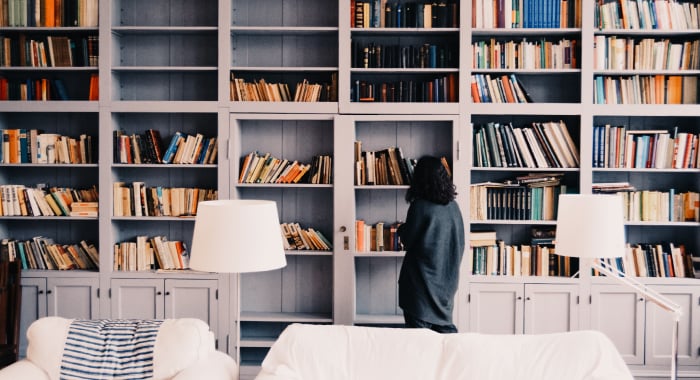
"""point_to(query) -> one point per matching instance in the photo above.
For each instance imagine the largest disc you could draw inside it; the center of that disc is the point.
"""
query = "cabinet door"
(72, 297)
(618, 312)
(192, 299)
(137, 298)
(33, 307)
(496, 308)
(551, 308)
(659, 327)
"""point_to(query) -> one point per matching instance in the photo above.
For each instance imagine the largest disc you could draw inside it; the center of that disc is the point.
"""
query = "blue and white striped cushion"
(109, 349)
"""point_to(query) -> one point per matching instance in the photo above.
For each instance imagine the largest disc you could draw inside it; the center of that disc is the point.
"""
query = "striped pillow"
(106, 349)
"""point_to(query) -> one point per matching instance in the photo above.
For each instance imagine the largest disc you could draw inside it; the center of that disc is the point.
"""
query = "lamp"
(591, 227)
(237, 236)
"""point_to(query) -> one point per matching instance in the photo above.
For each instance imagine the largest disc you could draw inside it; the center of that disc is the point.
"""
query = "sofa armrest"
(216, 366)
(23, 369)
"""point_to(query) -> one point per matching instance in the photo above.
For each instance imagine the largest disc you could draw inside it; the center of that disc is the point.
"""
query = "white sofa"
(320, 352)
(183, 350)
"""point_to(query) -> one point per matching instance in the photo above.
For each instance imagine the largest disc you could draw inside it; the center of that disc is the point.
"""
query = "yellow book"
(52, 203)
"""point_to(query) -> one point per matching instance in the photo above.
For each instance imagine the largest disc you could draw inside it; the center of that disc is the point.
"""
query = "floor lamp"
(237, 236)
(591, 227)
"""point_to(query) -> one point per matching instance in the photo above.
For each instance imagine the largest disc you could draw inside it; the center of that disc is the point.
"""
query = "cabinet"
(72, 296)
(641, 330)
(513, 308)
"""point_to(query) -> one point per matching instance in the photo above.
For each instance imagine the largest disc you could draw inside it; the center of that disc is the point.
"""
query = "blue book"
(376, 14)
(203, 153)
(600, 90)
(596, 130)
(432, 55)
(60, 89)
(22, 255)
(172, 148)
(23, 147)
(399, 16)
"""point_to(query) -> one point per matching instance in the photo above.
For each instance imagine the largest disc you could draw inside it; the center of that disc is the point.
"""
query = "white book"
(523, 148)
(536, 149)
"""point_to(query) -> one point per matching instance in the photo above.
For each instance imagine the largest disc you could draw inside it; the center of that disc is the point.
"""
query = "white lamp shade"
(237, 236)
(590, 226)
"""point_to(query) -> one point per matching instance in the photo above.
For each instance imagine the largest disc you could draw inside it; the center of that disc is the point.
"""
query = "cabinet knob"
(641, 299)
(343, 229)
(158, 293)
(41, 292)
(527, 298)
(48, 292)
(518, 298)
(167, 293)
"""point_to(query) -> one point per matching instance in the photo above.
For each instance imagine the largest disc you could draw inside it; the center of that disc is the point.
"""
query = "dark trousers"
(416, 323)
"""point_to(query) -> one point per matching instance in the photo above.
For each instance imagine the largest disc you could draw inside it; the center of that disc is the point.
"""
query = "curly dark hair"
(431, 182)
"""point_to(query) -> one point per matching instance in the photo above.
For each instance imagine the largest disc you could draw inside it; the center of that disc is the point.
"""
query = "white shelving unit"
(167, 65)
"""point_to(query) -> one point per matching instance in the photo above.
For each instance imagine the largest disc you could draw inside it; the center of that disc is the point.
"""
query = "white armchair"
(183, 350)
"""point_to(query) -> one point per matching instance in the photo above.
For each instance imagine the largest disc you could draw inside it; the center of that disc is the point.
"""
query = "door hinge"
(590, 299)
(98, 292)
(578, 299)
(469, 298)
(109, 293)
(216, 294)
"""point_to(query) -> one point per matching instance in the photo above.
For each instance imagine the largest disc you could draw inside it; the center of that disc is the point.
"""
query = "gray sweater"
(433, 236)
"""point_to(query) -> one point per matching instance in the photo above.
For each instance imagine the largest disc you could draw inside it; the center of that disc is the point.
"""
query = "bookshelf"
(301, 292)
(167, 65)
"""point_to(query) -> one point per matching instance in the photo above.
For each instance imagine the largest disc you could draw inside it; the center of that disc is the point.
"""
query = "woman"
(433, 237)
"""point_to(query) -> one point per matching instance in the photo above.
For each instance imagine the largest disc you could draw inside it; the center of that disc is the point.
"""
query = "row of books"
(436, 90)
(376, 55)
(21, 146)
(43, 89)
(377, 237)
(259, 167)
(386, 166)
(540, 145)
(525, 54)
(147, 148)
(20, 200)
(44, 253)
(617, 146)
(150, 253)
(51, 51)
(526, 14)
(665, 259)
(400, 14)
(500, 259)
(647, 14)
(261, 91)
(645, 89)
(654, 205)
(49, 13)
(136, 199)
(625, 53)
(294, 237)
(532, 197)
(500, 89)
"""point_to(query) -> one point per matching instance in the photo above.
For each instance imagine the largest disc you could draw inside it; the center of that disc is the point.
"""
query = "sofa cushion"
(353, 352)
(179, 344)
(588, 355)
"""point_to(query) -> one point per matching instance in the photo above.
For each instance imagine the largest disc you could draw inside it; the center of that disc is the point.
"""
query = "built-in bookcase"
(63, 229)
(375, 272)
(164, 51)
(292, 44)
(167, 65)
(303, 290)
